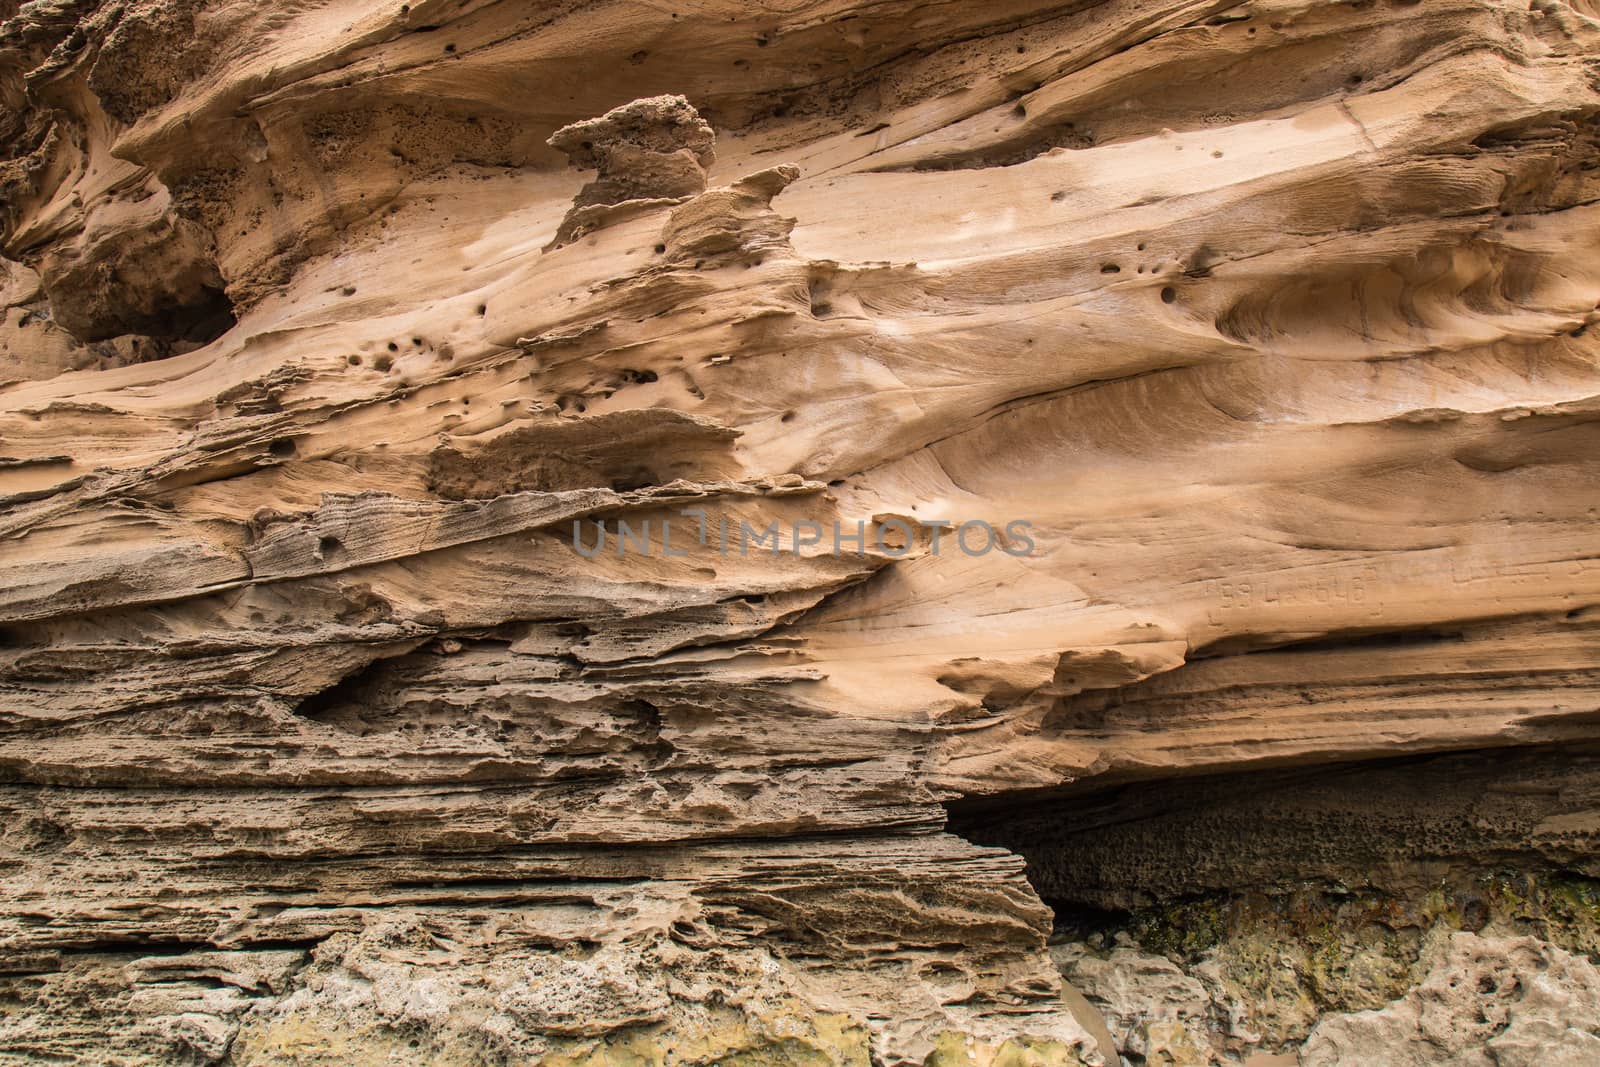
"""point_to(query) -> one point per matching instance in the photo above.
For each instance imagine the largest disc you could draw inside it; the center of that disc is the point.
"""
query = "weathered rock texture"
(1523, 1002)
(326, 738)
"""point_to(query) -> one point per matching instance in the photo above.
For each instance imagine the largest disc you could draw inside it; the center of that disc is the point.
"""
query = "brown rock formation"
(645, 151)
(395, 662)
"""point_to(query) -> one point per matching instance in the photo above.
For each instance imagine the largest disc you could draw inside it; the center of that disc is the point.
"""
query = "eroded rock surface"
(349, 347)
(1484, 1001)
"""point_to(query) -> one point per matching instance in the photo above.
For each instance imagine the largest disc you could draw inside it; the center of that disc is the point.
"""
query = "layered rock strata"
(1155, 406)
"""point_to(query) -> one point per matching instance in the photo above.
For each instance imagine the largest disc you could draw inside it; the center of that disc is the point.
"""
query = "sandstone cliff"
(1178, 637)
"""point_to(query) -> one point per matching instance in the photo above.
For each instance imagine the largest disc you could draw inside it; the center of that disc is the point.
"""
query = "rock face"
(1522, 1002)
(723, 533)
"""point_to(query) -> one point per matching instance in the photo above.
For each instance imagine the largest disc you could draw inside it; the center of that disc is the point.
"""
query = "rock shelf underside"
(334, 329)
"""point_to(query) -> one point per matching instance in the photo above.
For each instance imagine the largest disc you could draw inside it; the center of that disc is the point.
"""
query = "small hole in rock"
(1169, 295)
(283, 446)
(1110, 268)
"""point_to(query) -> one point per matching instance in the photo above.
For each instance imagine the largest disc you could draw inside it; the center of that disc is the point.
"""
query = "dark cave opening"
(1251, 907)
(172, 326)
(1096, 855)
(205, 321)
(338, 704)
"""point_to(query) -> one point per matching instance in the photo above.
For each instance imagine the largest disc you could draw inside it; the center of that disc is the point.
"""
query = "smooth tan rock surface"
(334, 332)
